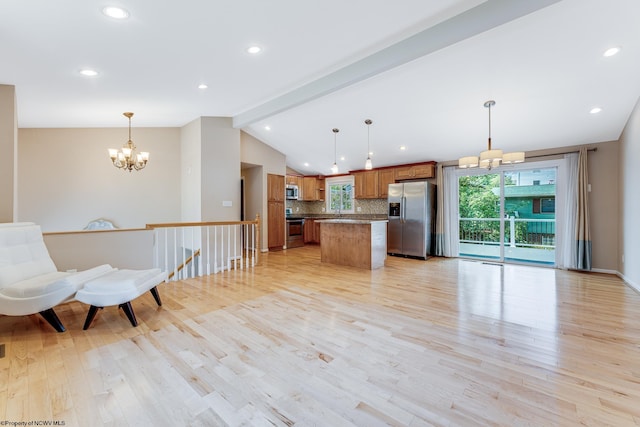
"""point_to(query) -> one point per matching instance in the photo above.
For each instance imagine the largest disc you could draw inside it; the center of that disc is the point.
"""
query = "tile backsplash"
(367, 207)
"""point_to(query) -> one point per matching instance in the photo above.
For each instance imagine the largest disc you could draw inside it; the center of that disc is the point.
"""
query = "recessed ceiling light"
(402, 147)
(254, 49)
(202, 86)
(306, 164)
(595, 110)
(115, 12)
(267, 127)
(342, 158)
(87, 72)
(611, 51)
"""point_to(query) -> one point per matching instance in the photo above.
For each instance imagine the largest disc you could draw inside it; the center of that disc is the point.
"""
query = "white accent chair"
(29, 280)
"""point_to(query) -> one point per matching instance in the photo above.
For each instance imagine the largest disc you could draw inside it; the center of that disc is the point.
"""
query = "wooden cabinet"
(311, 231)
(385, 177)
(309, 188)
(308, 229)
(416, 171)
(275, 188)
(275, 212)
(320, 189)
(366, 184)
(276, 224)
(294, 180)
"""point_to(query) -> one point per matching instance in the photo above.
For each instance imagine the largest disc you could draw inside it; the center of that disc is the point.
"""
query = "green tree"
(477, 199)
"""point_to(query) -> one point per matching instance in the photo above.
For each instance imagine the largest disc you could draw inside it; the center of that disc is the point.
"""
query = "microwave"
(291, 192)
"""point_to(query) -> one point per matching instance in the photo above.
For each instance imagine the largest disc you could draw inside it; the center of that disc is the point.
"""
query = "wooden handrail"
(184, 264)
(203, 224)
(255, 222)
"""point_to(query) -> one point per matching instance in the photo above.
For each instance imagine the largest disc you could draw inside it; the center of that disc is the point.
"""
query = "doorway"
(508, 215)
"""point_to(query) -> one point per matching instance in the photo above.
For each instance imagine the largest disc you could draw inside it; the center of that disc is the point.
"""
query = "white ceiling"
(421, 70)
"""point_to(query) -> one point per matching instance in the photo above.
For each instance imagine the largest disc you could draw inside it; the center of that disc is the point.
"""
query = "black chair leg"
(128, 310)
(52, 318)
(90, 316)
(156, 295)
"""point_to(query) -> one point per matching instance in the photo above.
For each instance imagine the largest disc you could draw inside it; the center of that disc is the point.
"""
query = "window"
(544, 205)
(340, 194)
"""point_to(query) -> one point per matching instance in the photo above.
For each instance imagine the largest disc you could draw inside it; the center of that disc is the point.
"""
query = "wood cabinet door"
(385, 177)
(419, 171)
(371, 184)
(426, 170)
(358, 185)
(275, 224)
(294, 180)
(316, 232)
(366, 184)
(309, 188)
(308, 230)
(275, 188)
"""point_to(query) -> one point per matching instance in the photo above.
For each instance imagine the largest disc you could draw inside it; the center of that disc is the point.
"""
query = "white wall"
(255, 152)
(66, 179)
(83, 250)
(253, 196)
(191, 186)
(629, 231)
(604, 204)
(8, 147)
(220, 162)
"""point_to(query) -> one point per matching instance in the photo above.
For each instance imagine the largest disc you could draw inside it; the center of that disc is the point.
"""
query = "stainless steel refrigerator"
(411, 219)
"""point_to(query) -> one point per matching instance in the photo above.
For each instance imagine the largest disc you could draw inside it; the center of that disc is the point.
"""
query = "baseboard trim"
(602, 270)
(628, 282)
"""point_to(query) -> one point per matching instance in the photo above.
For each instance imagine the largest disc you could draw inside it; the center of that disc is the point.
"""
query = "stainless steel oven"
(295, 232)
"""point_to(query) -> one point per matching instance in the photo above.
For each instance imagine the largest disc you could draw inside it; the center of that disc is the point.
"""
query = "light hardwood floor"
(442, 342)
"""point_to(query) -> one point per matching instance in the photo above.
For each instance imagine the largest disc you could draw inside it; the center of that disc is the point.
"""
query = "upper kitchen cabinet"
(385, 177)
(275, 188)
(415, 171)
(366, 184)
(320, 188)
(294, 180)
(310, 190)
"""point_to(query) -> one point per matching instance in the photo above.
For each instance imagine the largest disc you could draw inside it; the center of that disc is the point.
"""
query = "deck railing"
(202, 248)
(518, 232)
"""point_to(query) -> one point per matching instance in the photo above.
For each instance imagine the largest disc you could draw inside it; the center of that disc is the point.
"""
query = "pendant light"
(334, 168)
(367, 164)
(490, 158)
(126, 158)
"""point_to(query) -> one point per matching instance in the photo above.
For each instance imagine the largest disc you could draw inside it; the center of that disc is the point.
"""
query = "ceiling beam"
(479, 19)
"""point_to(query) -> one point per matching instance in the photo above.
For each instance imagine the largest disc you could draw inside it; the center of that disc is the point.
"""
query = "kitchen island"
(354, 242)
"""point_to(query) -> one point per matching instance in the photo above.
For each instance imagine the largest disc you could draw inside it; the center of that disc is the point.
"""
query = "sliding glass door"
(508, 215)
(479, 213)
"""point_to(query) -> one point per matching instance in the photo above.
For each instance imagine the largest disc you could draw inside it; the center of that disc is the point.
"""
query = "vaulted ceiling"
(420, 70)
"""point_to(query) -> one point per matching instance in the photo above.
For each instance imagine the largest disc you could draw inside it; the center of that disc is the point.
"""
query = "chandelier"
(490, 158)
(367, 164)
(334, 168)
(126, 158)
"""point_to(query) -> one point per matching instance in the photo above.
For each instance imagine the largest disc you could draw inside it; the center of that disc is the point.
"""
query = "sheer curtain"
(451, 247)
(440, 211)
(566, 224)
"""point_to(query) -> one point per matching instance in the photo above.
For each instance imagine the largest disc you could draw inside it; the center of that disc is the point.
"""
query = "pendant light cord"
(489, 104)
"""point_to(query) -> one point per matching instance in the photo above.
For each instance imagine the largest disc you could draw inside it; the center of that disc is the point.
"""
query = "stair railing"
(193, 249)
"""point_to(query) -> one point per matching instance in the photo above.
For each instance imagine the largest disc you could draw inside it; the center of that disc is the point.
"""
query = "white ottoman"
(120, 287)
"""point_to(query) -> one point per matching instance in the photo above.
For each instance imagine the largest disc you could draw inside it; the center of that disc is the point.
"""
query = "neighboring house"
(534, 202)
